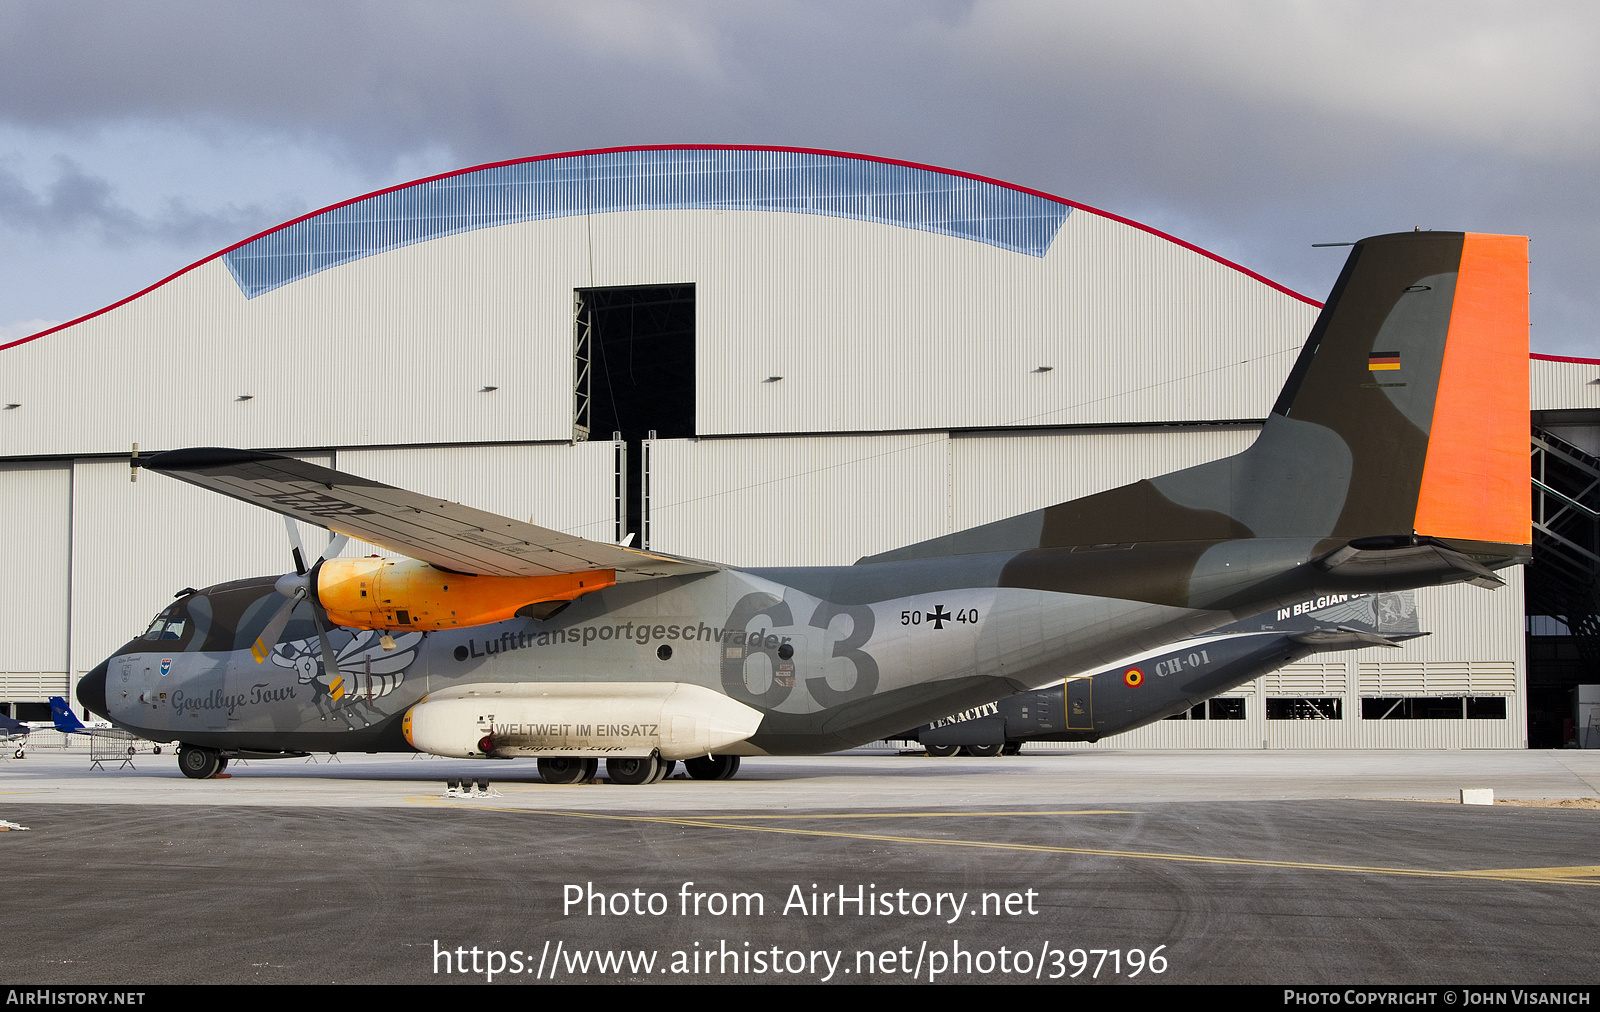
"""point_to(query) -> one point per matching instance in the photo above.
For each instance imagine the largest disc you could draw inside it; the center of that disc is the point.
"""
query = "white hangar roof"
(889, 296)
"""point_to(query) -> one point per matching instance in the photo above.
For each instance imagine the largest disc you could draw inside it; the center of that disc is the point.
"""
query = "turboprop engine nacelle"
(531, 719)
(376, 593)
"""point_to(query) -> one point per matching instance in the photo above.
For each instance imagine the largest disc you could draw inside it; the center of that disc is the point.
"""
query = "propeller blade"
(330, 664)
(294, 544)
(268, 639)
(297, 588)
(335, 546)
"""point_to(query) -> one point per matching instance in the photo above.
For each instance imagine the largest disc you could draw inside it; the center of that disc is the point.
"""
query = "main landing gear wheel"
(199, 763)
(568, 770)
(941, 751)
(1012, 748)
(983, 751)
(667, 766)
(634, 770)
(712, 767)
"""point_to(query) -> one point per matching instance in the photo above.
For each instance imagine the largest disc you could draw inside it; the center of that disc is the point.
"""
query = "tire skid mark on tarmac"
(1580, 875)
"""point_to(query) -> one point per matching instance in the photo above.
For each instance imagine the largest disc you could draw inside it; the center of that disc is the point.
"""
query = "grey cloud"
(76, 202)
(1195, 96)
(1252, 127)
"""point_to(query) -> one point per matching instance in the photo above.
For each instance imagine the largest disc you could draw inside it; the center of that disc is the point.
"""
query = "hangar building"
(763, 356)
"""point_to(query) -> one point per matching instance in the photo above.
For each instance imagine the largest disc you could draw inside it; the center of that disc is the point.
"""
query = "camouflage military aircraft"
(1395, 457)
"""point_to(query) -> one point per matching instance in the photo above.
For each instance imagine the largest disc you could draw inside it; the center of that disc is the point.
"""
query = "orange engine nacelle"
(375, 593)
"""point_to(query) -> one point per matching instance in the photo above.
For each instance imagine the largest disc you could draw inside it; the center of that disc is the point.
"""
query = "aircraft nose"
(92, 690)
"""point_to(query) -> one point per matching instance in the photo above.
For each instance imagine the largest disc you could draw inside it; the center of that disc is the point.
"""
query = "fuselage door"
(1080, 704)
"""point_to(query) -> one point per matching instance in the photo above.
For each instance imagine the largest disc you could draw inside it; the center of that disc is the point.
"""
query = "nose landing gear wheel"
(199, 763)
(633, 771)
(568, 770)
(712, 767)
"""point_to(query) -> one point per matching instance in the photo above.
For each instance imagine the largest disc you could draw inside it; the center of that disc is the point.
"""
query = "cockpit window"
(167, 627)
(223, 618)
(182, 625)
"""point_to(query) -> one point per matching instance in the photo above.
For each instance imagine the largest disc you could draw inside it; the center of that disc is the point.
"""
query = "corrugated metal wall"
(829, 500)
(1559, 386)
(997, 475)
(872, 328)
(565, 486)
(824, 500)
(35, 552)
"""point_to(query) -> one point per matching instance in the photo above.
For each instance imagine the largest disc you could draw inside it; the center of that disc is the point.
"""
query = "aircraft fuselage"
(824, 674)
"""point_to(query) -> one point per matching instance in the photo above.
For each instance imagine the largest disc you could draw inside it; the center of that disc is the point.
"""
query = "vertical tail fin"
(1406, 414)
(66, 721)
(1419, 365)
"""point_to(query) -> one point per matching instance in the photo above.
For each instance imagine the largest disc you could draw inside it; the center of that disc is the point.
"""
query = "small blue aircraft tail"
(66, 721)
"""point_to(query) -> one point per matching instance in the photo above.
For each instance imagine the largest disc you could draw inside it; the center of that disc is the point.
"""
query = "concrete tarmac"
(1313, 868)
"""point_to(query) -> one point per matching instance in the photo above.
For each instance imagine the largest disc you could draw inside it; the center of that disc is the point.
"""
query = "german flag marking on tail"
(1380, 361)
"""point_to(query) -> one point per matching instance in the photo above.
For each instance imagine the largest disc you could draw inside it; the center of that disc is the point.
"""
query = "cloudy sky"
(136, 138)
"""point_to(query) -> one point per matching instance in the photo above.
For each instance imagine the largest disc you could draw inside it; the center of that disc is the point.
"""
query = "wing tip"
(198, 458)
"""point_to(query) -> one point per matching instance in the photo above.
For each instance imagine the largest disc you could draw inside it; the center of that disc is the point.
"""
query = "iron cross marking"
(938, 616)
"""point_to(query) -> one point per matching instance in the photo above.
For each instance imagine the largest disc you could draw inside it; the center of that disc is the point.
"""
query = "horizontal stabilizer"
(1349, 639)
(1401, 562)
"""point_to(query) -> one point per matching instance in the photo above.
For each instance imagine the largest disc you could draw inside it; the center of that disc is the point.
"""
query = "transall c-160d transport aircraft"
(1395, 457)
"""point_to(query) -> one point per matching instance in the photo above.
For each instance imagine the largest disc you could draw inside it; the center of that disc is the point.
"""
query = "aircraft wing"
(12, 729)
(445, 534)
